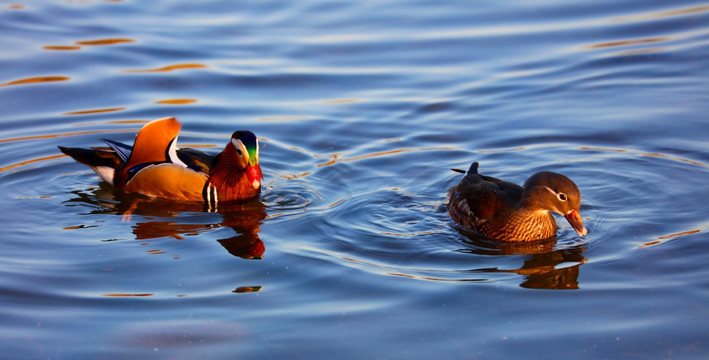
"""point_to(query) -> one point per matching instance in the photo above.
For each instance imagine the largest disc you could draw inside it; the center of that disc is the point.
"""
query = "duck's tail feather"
(103, 162)
(92, 157)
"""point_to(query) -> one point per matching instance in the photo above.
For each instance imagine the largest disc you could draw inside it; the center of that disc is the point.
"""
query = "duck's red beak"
(254, 174)
(574, 218)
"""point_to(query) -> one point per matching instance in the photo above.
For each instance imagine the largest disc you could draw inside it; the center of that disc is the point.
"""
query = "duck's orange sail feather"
(154, 141)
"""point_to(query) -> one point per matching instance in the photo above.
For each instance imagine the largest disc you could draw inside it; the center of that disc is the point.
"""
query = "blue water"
(362, 108)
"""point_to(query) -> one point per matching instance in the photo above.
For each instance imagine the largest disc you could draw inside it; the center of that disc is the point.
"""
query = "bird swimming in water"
(505, 211)
(154, 166)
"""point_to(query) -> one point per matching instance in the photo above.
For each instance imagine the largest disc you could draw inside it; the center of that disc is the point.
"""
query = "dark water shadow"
(542, 267)
(157, 218)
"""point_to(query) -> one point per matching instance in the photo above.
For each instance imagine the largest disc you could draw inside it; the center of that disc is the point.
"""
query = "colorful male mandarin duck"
(154, 166)
(505, 211)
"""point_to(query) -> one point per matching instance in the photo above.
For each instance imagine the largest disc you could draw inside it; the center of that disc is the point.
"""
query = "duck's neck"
(522, 225)
(540, 223)
(230, 181)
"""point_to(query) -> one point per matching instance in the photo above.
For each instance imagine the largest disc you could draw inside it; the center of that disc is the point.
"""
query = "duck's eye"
(238, 146)
(562, 196)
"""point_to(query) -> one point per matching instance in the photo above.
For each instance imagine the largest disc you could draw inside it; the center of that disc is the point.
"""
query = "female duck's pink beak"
(574, 218)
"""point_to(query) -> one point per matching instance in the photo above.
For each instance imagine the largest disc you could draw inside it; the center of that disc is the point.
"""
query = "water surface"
(362, 108)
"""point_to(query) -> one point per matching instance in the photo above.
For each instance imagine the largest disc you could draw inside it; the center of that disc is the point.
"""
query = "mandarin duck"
(154, 166)
(504, 211)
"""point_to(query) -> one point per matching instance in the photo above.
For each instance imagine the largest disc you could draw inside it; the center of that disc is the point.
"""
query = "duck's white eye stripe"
(240, 148)
(559, 195)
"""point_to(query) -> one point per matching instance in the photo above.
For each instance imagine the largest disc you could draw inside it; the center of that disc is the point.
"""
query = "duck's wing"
(197, 160)
(480, 197)
(511, 193)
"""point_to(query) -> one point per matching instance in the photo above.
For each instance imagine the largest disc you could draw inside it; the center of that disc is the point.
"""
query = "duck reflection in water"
(544, 266)
(156, 218)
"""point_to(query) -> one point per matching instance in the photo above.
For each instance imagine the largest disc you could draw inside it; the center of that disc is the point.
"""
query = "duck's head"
(554, 192)
(243, 149)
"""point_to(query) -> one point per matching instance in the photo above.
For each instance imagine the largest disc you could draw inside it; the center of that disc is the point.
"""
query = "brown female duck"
(505, 211)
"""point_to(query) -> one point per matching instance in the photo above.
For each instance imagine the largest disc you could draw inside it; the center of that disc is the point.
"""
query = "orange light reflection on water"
(26, 162)
(170, 68)
(94, 123)
(105, 41)
(35, 80)
(628, 42)
(98, 42)
(50, 136)
(61, 47)
(176, 101)
(94, 111)
(643, 153)
(662, 239)
(336, 157)
(662, 14)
